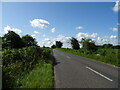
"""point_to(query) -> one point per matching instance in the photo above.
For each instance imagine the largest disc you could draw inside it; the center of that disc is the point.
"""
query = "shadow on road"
(55, 62)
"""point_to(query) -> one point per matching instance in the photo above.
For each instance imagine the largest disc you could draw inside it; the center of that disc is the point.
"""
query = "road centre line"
(99, 74)
(68, 57)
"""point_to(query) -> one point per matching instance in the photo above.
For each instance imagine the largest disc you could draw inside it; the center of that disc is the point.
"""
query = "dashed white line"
(68, 57)
(99, 74)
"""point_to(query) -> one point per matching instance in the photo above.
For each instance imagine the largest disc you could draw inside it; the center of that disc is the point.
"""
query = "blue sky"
(52, 21)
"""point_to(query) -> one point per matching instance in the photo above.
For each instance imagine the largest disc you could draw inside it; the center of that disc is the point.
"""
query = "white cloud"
(116, 8)
(79, 28)
(113, 37)
(36, 32)
(43, 35)
(79, 36)
(48, 42)
(33, 36)
(114, 29)
(8, 28)
(47, 39)
(40, 23)
(53, 30)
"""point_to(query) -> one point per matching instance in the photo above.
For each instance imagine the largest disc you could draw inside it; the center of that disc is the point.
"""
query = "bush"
(17, 62)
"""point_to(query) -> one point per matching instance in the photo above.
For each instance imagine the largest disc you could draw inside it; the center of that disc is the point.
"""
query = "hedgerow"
(17, 62)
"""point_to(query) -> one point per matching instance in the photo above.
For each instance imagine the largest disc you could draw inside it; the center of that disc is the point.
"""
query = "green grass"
(39, 77)
(111, 56)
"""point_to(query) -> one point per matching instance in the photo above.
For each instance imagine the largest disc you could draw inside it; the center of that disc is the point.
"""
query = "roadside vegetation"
(25, 64)
(110, 56)
(106, 53)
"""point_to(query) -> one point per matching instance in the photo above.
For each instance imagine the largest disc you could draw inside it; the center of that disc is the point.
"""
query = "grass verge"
(39, 77)
(109, 58)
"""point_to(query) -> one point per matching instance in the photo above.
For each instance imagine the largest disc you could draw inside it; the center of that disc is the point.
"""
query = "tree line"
(12, 40)
(87, 44)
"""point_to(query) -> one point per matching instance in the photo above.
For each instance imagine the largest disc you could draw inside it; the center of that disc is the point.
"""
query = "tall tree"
(59, 44)
(11, 40)
(88, 44)
(75, 43)
(29, 40)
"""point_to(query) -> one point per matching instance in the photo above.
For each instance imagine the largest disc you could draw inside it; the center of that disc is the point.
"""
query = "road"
(73, 71)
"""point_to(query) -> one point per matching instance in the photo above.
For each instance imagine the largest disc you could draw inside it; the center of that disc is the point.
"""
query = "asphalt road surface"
(73, 71)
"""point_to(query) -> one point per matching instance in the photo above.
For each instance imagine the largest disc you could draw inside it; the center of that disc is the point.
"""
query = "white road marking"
(68, 57)
(99, 74)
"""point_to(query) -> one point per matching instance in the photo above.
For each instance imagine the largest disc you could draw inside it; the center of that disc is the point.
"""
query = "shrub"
(17, 62)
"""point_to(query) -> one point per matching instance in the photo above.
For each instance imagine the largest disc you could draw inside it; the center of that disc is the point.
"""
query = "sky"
(59, 21)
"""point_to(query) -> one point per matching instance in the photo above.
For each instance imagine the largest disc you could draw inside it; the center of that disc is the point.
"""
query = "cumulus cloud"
(8, 28)
(79, 36)
(79, 28)
(40, 23)
(113, 37)
(116, 8)
(48, 42)
(53, 30)
(33, 36)
(47, 39)
(114, 29)
(36, 32)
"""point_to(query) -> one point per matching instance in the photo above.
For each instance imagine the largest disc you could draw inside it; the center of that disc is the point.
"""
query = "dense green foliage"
(11, 40)
(29, 40)
(75, 43)
(109, 56)
(58, 44)
(53, 46)
(88, 45)
(18, 62)
(107, 46)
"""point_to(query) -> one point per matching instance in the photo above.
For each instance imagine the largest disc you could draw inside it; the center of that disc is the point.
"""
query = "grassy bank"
(39, 77)
(29, 67)
(109, 56)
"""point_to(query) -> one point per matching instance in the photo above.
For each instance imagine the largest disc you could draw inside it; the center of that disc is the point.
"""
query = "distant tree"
(44, 46)
(53, 46)
(11, 40)
(58, 44)
(29, 40)
(89, 45)
(75, 43)
(107, 46)
(116, 47)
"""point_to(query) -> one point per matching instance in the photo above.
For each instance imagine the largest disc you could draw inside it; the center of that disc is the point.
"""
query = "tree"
(89, 45)
(29, 40)
(75, 43)
(59, 44)
(11, 40)
(107, 46)
(53, 46)
(44, 46)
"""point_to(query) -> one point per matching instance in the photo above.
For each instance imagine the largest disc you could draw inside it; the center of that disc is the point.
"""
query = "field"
(109, 56)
